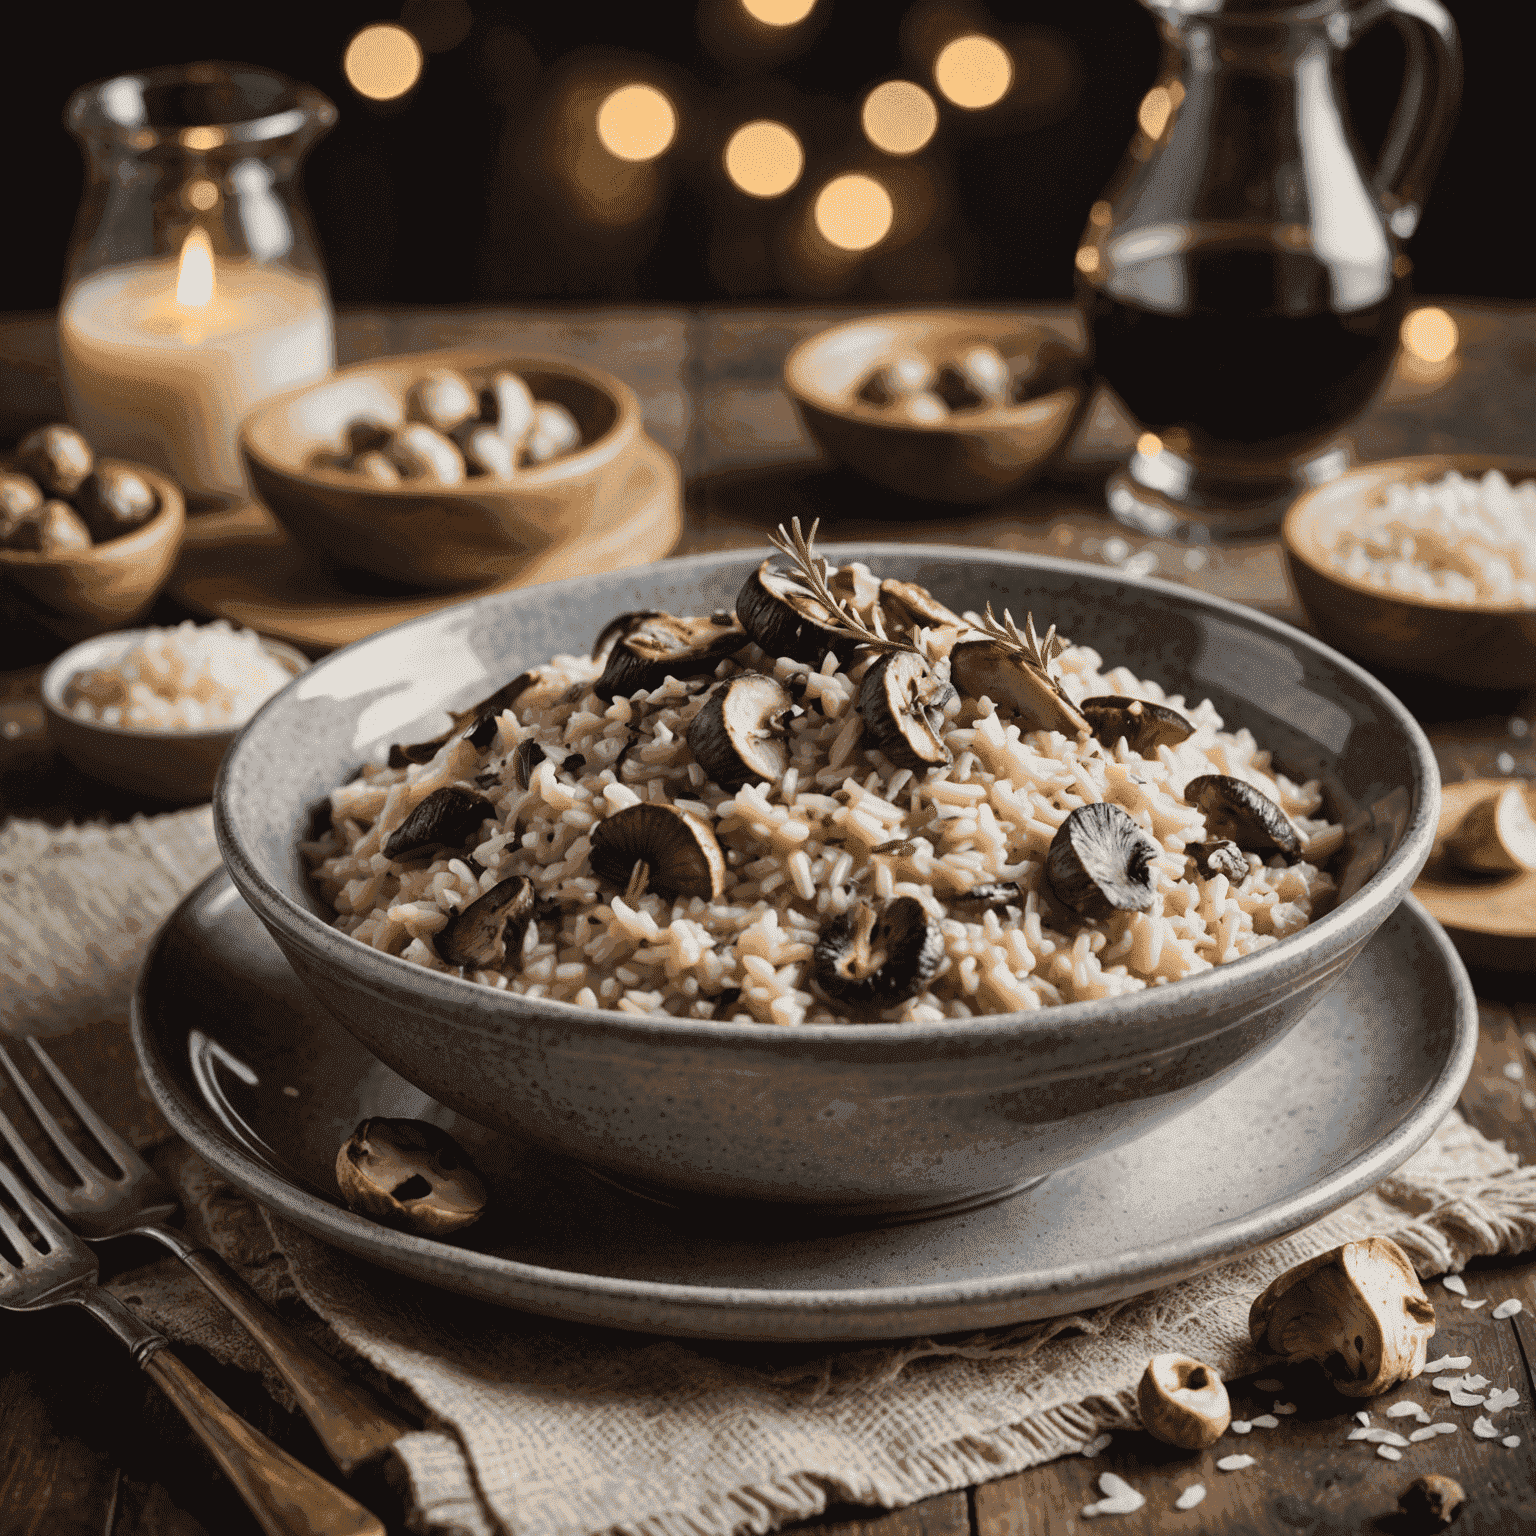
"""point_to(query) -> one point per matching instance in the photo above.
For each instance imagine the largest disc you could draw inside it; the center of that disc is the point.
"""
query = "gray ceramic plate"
(266, 1085)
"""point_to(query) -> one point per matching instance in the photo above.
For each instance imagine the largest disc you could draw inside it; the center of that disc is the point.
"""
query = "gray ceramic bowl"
(862, 1121)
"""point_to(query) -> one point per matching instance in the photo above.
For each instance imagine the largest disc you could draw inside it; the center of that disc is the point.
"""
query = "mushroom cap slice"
(656, 646)
(982, 667)
(899, 701)
(1241, 814)
(480, 718)
(445, 819)
(679, 849)
(490, 927)
(619, 626)
(1146, 726)
(1359, 1310)
(1497, 836)
(409, 1174)
(908, 606)
(1219, 857)
(869, 958)
(785, 620)
(1183, 1402)
(1100, 862)
(988, 897)
(527, 756)
(739, 736)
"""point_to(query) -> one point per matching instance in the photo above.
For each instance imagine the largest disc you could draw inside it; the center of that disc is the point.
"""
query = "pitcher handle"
(1426, 111)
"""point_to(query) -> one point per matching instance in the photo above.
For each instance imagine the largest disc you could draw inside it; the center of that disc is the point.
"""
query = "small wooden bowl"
(178, 766)
(970, 456)
(84, 592)
(448, 536)
(1483, 647)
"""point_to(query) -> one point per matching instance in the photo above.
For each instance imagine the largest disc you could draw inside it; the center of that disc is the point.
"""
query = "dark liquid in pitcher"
(1256, 350)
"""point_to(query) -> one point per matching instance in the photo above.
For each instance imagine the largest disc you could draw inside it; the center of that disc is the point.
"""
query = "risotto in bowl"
(878, 879)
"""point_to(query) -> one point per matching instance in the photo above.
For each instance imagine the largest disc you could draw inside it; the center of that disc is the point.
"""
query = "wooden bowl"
(84, 592)
(178, 766)
(970, 456)
(449, 536)
(1483, 647)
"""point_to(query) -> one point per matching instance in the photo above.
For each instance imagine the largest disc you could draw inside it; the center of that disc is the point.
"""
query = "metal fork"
(286, 1498)
(351, 1421)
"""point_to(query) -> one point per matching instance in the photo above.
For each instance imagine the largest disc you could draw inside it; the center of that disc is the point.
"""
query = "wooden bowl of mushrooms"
(85, 543)
(442, 469)
(950, 405)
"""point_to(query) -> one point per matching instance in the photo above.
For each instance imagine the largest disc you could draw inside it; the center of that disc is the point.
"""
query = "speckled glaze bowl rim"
(382, 974)
(67, 663)
(618, 439)
(1301, 512)
(1023, 414)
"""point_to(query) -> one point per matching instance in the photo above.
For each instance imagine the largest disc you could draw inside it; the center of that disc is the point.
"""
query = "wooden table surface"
(88, 1448)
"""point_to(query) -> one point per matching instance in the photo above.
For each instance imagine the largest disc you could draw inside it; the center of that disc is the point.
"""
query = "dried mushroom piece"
(1100, 862)
(1431, 1502)
(1497, 836)
(1241, 814)
(447, 818)
(482, 934)
(1183, 1402)
(1219, 858)
(740, 736)
(1144, 725)
(901, 702)
(480, 720)
(876, 958)
(678, 850)
(409, 1174)
(1359, 1310)
(1014, 671)
(656, 646)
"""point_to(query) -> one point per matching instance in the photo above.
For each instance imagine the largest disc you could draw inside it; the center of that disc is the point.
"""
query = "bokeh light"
(779, 13)
(1087, 258)
(1430, 335)
(764, 158)
(854, 212)
(382, 62)
(636, 122)
(1149, 445)
(1154, 111)
(899, 117)
(974, 71)
(202, 195)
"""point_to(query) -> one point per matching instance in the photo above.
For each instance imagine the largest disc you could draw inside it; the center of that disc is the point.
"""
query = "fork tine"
(35, 1212)
(106, 1138)
(88, 1173)
(44, 1180)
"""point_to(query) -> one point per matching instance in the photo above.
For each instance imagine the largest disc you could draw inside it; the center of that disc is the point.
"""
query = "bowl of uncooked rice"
(879, 879)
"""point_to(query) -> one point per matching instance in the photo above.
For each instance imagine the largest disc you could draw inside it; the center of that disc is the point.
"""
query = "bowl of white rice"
(1424, 565)
(154, 710)
(448, 859)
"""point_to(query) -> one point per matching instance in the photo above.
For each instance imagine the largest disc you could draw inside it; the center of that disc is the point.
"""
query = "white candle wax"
(167, 383)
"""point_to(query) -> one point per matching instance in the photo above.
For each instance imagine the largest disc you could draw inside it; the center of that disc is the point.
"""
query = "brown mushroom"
(1431, 1502)
(1241, 814)
(679, 850)
(447, 818)
(1358, 1309)
(483, 933)
(1144, 725)
(114, 500)
(869, 958)
(57, 457)
(901, 701)
(1497, 836)
(785, 620)
(740, 735)
(53, 529)
(1219, 858)
(908, 606)
(982, 667)
(1183, 1402)
(409, 1174)
(480, 719)
(656, 646)
(19, 495)
(1100, 862)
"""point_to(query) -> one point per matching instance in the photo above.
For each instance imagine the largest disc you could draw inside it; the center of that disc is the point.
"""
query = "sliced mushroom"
(1219, 858)
(1183, 1402)
(1144, 725)
(785, 620)
(611, 632)
(680, 850)
(908, 606)
(481, 719)
(988, 897)
(1236, 811)
(409, 1174)
(983, 667)
(869, 958)
(447, 818)
(901, 700)
(490, 928)
(1359, 1310)
(1497, 836)
(1100, 862)
(741, 734)
(1431, 1502)
(525, 759)
(657, 646)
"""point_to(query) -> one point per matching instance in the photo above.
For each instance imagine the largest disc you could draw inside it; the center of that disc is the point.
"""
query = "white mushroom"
(421, 452)
(507, 404)
(1498, 834)
(1358, 1310)
(1183, 1402)
(441, 400)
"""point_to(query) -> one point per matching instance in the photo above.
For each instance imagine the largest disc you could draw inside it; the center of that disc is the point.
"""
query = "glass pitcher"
(1243, 275)
(193, 288)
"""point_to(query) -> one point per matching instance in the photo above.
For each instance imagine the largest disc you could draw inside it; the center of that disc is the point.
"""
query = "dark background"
(443, 197)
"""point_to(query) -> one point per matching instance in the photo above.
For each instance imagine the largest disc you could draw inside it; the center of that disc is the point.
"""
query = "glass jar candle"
(193, 288)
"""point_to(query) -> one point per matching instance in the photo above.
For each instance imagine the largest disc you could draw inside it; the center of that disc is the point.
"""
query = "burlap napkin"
(547, 1430)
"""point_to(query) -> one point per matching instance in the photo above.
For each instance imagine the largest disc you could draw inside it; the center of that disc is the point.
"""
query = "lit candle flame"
(194, 278)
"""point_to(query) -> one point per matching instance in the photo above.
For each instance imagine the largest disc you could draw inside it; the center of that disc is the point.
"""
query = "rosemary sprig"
(813, 573)
(1029, 647)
